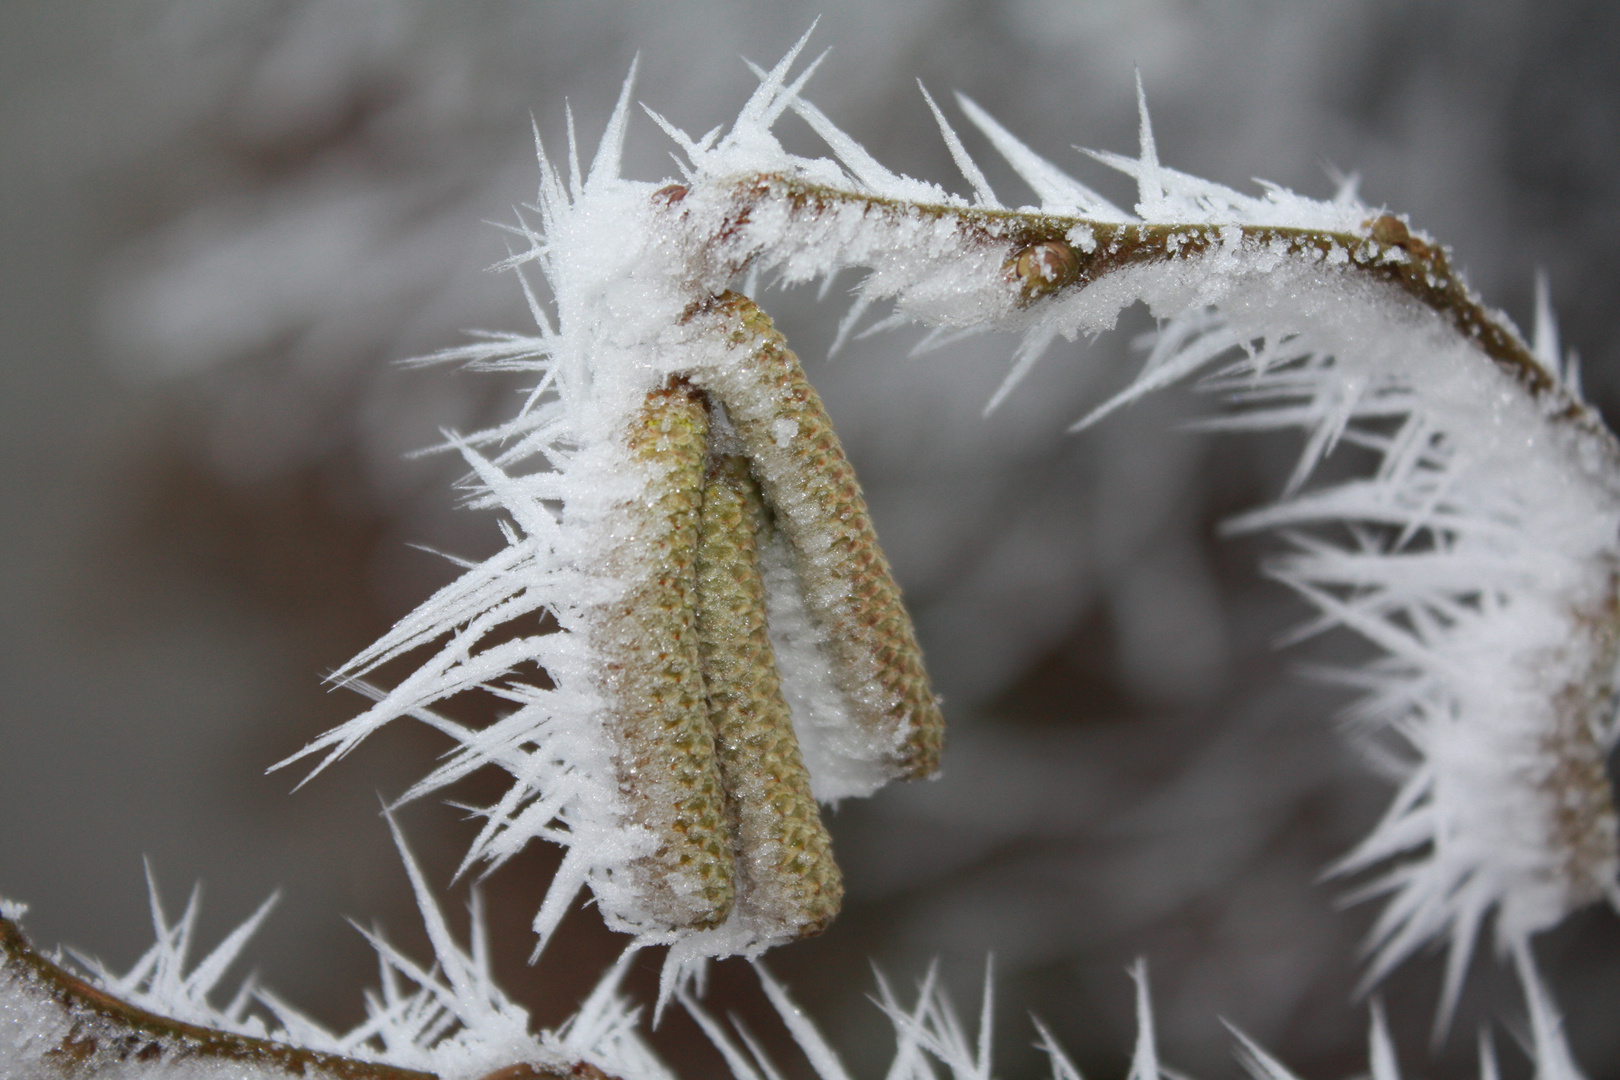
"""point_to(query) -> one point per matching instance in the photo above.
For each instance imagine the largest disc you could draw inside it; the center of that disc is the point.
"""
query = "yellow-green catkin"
(817, 503)
(787, 880)
(669, 777)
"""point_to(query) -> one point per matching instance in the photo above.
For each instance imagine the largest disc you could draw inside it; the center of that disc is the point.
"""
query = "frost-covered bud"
(579, 1070)
(1389, 229)
(1044, 268)
(669, 194)
(1570, 772)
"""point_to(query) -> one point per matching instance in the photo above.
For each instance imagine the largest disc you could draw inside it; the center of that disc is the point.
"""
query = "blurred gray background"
(225, 220)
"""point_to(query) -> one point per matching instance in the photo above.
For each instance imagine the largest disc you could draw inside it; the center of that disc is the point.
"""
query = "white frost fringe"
(1480, 556)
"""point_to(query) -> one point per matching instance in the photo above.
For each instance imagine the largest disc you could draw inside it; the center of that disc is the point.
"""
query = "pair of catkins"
(743, 457)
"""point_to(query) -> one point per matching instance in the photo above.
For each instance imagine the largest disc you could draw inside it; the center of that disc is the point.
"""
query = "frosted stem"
(1384, 250)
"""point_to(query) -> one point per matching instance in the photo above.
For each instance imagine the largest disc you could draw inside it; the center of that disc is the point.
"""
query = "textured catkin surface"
(668, 774)
(1583, 823)
(787, 879)
(817, 502)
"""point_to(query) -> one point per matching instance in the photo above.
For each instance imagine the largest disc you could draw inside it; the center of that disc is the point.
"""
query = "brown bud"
(1045, 267)
(669, 194)
(523, 1071)
(1389, 229)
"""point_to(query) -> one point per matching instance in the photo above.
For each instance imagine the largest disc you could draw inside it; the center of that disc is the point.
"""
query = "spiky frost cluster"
(1479, 555)
(930, 1035)
(458, 1025)
(447, 1017)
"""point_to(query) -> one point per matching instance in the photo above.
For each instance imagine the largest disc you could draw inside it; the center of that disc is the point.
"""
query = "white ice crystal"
(160, 982)
(1479, 555)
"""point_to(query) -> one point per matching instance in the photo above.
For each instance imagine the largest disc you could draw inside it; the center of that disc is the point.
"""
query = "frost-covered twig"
(447, 1019)
(58, 1024)
(1480, 557)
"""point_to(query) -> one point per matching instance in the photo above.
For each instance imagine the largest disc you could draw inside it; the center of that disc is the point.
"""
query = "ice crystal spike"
(788, 884)
(651, 675)
(817, 503)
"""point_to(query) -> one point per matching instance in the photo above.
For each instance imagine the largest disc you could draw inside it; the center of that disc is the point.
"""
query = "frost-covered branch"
(1480, 555)
(447, 1019)
(58, 1024)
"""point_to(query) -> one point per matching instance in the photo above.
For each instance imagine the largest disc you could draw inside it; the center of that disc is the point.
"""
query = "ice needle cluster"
(1479, 553)
(445, 1019)
(157, 1021)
